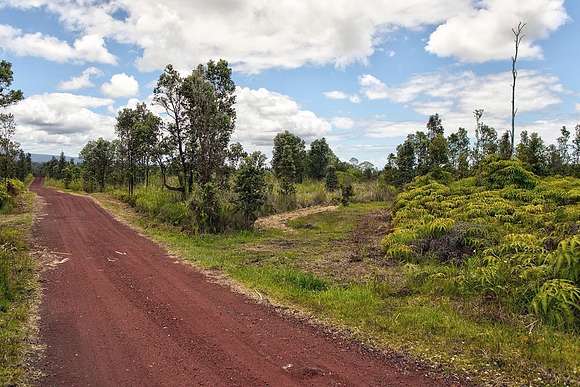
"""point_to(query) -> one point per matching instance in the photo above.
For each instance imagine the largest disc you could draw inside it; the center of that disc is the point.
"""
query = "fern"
(558, 303)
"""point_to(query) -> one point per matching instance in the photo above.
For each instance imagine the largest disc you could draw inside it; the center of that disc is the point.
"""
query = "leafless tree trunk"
(518, 37)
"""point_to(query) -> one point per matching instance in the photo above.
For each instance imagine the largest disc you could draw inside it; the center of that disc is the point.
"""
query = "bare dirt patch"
(280, 221)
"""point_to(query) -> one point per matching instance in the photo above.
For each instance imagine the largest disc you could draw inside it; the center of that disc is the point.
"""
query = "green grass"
(306, 270)
(18, 290)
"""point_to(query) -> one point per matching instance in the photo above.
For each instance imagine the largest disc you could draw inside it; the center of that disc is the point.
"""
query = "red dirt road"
(118, 311)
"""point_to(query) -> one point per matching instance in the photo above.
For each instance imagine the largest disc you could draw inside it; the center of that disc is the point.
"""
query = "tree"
(288, 146)
(434, 126)
(251, 186)
(8, 148)
(421, 146)
(319, 156)
(488, 137)
(331, 180)
(169, 95)
(209, 104)
(505, 146)
(459, 152)
(576, 146)
(438, 152)
(518, 37)
(405, 160)
(286, 169)
(554, 159)
(563, 146)
(532, 151)
(236, 155)
(478, 114)
(97, 158)
(61, 166)
(137, 130)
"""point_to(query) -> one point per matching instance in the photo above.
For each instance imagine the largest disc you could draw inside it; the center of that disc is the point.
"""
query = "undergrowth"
(18, 285)
(505, 235)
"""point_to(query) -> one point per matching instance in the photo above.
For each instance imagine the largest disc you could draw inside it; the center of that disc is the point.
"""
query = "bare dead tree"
(518, 37)
(478, 113)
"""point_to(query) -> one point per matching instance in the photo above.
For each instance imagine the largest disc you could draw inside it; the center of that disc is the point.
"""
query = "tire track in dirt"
(120, 311)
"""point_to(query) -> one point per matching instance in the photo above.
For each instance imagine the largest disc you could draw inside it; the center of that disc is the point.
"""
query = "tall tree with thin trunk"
(518, 37)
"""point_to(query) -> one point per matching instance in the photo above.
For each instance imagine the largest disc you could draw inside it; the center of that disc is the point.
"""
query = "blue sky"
(362, 75)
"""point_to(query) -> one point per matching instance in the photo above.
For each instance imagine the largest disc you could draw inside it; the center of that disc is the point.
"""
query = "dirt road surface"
(118, 311)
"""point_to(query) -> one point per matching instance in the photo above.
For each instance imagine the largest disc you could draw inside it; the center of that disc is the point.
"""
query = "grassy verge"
(18, 290)
(314, 270)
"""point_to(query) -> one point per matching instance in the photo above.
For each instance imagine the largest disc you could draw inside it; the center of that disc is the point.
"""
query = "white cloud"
(121, 85)
(455, 96)
(337, 94)
(88, 48)
(81, 81)
(255, 35)
(263, 113)
(343, 122)
(578, 107)
(252, 35)
(52, 122)
(485, 33)
(354, 98)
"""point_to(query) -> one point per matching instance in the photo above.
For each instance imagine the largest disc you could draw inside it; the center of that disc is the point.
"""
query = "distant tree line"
(431, 151)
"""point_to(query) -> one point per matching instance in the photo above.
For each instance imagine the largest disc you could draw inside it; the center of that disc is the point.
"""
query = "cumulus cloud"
(252, 35)
(60, 121)
(255, 35)
(121, 85)
(88, 48)
(81, 81)
(485, 32)
(263, 113)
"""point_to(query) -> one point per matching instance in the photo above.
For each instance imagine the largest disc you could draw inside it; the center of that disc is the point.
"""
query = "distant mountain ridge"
(43, 158)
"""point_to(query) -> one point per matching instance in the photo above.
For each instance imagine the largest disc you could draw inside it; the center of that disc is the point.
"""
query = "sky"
(362, 74)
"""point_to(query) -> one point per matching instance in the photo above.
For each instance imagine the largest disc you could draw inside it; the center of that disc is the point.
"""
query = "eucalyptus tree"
(97, 158)
(319, 157)
(209, 105)
(289, 153)
(168, 94)
(137, 130)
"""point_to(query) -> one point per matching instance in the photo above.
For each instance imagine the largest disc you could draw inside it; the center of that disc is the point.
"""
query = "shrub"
(503, 173)
(346, 192)
(558, 302)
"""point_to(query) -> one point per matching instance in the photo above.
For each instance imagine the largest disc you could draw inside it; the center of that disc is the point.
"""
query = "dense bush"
(9, 189)
(503, 173)
(506, 235)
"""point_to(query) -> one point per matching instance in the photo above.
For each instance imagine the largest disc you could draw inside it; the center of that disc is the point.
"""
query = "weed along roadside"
(19, 288)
